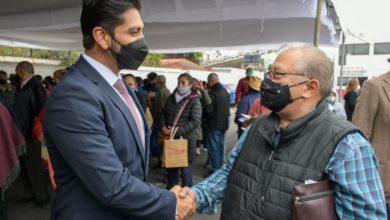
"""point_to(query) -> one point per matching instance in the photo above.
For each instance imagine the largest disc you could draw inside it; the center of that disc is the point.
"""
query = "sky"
(367, 19)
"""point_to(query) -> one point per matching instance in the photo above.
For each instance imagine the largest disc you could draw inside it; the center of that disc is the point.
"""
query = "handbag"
(313, 201)
(163, 137)
(175, 152)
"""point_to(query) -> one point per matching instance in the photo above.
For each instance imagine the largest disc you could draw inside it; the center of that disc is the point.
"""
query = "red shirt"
(242, 89)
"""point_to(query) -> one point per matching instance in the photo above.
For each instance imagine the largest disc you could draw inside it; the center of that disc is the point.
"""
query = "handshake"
(186, 205)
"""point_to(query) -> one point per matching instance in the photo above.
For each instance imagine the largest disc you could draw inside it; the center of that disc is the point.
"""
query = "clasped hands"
(186, 202)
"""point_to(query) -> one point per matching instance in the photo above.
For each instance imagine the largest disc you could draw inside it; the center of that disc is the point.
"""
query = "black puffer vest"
(262, 178)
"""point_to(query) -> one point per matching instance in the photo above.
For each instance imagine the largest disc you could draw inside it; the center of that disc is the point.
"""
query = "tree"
(195, 57)
(153, 59)
(69, 60)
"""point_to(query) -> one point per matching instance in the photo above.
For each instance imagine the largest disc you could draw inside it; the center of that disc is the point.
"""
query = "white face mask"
(331, 99)
(183, 90)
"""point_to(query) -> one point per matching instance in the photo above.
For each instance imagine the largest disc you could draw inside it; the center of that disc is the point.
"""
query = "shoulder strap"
(192, 96)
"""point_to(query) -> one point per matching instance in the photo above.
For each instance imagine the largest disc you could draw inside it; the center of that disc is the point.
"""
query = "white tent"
(173, 25)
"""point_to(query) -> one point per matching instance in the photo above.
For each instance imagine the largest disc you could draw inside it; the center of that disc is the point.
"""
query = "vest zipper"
(314, 196)
(269, 181)
(261, 192)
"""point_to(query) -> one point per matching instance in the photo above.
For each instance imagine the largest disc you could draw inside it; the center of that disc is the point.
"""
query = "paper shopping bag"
(175, 153)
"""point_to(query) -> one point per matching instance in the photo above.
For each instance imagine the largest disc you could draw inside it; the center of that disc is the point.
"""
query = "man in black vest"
(300, 141)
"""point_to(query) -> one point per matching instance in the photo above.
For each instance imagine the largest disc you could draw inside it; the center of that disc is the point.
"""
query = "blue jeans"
(173, 176)
(155, 148)
(215, 145)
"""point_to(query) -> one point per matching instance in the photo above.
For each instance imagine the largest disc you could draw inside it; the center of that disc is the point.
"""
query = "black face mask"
(276, 96)
(3, 81)
(132, 55)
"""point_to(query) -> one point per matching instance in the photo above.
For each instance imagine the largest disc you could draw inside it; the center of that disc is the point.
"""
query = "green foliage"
(69, 60)
(195, 57)
(62, 56)
(153, 59)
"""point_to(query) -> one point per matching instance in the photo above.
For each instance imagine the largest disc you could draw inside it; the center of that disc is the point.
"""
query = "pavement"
(28, 211)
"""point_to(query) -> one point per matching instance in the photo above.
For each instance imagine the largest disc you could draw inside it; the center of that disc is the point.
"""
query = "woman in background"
(188, 122)
(350, 97)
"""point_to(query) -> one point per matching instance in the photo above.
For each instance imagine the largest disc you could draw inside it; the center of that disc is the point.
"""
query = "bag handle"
(173, 132)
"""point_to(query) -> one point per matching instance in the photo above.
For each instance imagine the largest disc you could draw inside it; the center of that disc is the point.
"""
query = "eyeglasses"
(277, 75)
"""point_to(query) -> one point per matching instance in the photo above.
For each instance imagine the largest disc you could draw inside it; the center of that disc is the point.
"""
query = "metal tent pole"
(317, 30)
(343, 60)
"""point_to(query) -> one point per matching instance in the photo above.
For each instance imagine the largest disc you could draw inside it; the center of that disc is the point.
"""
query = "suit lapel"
(144, 121)
(94, 76)
(386, 85)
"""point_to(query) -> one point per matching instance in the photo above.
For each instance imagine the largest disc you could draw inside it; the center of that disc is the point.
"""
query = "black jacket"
(141, 99)
(350, 102)
(29, 102)
(217, 113)
(189, 120)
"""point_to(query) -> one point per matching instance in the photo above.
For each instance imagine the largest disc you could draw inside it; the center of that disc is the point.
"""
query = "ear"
(312, 88)
(101, 37)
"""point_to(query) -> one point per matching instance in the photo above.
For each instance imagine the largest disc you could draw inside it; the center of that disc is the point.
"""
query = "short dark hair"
(2, 72)
(26, 66)
(128, 75)
(139, 81)
(104, 13)
(48, 81)
(151, 76)
(213, 77)
(39, 77)
(188, 77)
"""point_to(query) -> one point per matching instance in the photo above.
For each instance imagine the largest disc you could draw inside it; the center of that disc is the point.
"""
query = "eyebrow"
(274, 68)
(135, 28)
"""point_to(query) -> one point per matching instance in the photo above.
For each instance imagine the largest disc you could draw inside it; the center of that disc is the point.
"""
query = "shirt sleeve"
(238, 92)
(241, 109)
(354, 171)
(209, 193)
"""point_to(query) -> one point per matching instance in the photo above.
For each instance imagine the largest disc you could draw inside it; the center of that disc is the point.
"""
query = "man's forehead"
(132, 19)
(278, 65)
(285, 60)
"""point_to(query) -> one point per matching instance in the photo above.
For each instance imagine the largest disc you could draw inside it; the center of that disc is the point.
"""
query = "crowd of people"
(22, 99)
(100, 127)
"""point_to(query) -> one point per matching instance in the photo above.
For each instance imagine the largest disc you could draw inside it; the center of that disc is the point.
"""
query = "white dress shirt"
(111, 78)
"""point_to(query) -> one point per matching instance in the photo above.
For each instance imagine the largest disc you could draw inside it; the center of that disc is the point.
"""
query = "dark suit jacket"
(218, 112)
(99, 163)
(29, 101)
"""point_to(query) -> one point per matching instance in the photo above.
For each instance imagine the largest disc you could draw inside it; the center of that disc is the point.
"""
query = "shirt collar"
(26, 81)
(103, 70)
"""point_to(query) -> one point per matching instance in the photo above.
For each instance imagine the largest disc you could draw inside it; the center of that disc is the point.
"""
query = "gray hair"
(161, 80)
(313, 63)
(26, 66)
(213, 77)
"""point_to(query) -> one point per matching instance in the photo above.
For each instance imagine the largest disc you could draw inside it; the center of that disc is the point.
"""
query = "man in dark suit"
(95, 128)
(28, 104)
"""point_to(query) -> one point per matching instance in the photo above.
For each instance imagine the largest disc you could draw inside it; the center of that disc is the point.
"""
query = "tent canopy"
(174, 25)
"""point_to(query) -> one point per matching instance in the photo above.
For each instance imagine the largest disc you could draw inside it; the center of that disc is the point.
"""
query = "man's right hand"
(185, 203)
